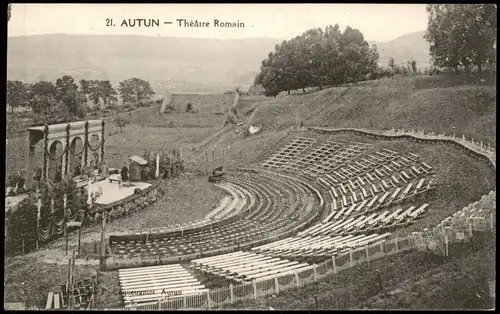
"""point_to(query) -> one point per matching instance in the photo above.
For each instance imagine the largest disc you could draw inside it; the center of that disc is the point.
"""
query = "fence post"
(334, 265)
(396, 240)
(446, 245)
(470, 230)
(209, 302)
(297, 282)
(491, 221)
(231, 293)
(276, 285)
(350, 258)
(184, 302)
(159, 304)
(382, 247)
(314, 272)
(367, 254)
(254, 284)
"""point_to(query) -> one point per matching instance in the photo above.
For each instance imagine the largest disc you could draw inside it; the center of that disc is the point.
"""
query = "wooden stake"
(69, 278)
(213, 159)
(206, 162)
(222, 157)
(103, 245)
(79, 238)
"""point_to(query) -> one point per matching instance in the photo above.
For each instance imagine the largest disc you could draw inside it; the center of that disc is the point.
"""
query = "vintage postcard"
(250, 156)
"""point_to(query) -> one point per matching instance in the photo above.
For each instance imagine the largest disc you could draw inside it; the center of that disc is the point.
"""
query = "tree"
(461, 34)
(121, 122)
(414, 65)
(95, 91)
(43, 102)
(135, 90)
(108, 93)
(67, 94)
(316, 58)
(189, 107)
(17, 94)
(85, 88)
(392, 63)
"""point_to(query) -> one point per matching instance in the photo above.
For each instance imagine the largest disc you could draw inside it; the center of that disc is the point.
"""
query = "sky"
(378, 22)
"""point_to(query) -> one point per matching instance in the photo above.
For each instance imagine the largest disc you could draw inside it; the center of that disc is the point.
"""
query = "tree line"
(65, 100)
(462, 35)
(318, 58)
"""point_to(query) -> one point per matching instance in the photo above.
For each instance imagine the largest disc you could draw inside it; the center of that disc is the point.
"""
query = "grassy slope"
(466, 285)
(457, 104)
(357, 287)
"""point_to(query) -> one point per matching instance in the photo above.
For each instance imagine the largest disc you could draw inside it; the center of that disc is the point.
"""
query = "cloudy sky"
(378, 22)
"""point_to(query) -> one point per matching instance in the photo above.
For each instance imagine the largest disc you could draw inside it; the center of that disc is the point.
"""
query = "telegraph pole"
(103, 245)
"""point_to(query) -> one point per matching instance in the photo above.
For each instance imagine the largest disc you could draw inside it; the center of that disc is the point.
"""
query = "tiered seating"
(367, 222)
(472, 211)
(394, 167)
(342, 156)
(229, 206)
(280, 205)
(344, 206)
(325, 246)
(148, 284)
(246, 266)
(324, 151)
(239, 200)
(385, 178)
(289, 152)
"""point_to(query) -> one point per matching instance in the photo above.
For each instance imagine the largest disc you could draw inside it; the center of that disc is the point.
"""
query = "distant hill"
(179, 64)
(182, 64)
(404, 48)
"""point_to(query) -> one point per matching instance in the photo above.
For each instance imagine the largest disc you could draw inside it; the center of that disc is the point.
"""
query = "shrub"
(169, 109)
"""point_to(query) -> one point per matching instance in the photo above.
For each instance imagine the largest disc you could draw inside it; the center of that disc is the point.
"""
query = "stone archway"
(64, 133)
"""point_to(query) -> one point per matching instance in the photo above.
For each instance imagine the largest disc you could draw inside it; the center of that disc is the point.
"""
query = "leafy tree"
(414, 65)
(316, 58)
(17, 94)
(85, 88)
(121, 122)
(135, 90)
(108, 93)
(43, 102)
(95, 91)
(461, 34)
(67, 94)
(189, 107)
(392, 63)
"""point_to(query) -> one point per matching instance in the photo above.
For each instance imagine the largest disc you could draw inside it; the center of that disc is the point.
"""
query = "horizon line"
(199, 38)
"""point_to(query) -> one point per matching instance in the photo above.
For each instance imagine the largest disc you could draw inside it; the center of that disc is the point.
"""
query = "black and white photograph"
(274, 157)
